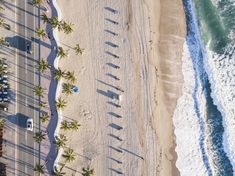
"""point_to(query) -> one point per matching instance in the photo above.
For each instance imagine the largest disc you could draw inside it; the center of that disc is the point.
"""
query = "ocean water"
(204, 118)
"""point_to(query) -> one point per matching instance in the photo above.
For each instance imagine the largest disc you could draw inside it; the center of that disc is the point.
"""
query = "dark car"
(29, 48)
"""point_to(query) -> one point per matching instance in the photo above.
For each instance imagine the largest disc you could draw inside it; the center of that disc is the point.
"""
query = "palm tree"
(60, 25)
(58, 171)
(2, 121)
(67, 88)
(39, 91)
(1, 22)
(60, 141)
(39, 137)
(69, 155)
(43, 65)
(70, 76)
(78, 49)
(67, 27)
(60, 103)
(2, 40)
(41, 105)
(65, 125)
(74, 125)
(59, 74)
(2, 8)
(2, 68)
(54, 22)
(39, 169)
(2, 86)
(44, 17)
(87, 171)
(44, 117)
(62, 52)
(37, 2)
(41, 33)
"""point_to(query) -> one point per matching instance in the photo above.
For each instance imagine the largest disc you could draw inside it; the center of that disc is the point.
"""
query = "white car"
(30, 124)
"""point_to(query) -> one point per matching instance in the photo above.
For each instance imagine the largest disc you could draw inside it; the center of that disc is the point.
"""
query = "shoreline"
(172, 37)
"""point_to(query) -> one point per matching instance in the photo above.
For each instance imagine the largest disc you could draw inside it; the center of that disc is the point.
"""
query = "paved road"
(26, 155)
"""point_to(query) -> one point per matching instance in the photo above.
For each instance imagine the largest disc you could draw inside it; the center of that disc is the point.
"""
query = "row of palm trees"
(61, 52)
(60, 140)
(62, 25)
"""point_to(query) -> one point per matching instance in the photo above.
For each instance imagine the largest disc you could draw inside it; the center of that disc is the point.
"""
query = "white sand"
(151, 81)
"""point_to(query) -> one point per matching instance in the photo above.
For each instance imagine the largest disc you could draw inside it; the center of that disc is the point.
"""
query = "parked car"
(3, 107)
(30, 124)
(29, 48)
(6, 99)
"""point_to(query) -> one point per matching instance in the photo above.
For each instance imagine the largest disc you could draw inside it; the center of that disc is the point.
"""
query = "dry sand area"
(144, 39)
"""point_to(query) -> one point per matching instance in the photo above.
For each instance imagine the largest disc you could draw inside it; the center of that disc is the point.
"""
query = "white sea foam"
(221, 72)
(215, 2)
(187, 129)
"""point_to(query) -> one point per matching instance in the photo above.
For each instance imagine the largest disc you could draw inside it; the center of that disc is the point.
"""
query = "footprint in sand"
(84, 112)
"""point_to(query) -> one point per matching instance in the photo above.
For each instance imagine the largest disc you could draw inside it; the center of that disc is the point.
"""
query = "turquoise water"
(215, 23)
(211, 27)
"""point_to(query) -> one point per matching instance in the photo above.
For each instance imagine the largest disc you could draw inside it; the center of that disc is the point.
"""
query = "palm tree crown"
(60, 141)
(2, 121)
(2, 68)
(2, 86)
(42, 104)
(54, 22)
(59, 74)
(39, 91)
(58, 171)
(70, 76)
(44, 17)
(1, 21)
(39, 137)
(67, 88)
(62, 52)
(39, 169)
(60, 103)
(69, 155)
(44, 117)
(74, 125)
(67, 27)
(78, 49)
(37, 2)
(43, 65)
(2, 40)
(2, 8)
(65, 125)
(87, 171)
(40, 33)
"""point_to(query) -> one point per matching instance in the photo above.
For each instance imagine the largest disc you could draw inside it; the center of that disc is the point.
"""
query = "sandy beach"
(145, 39)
